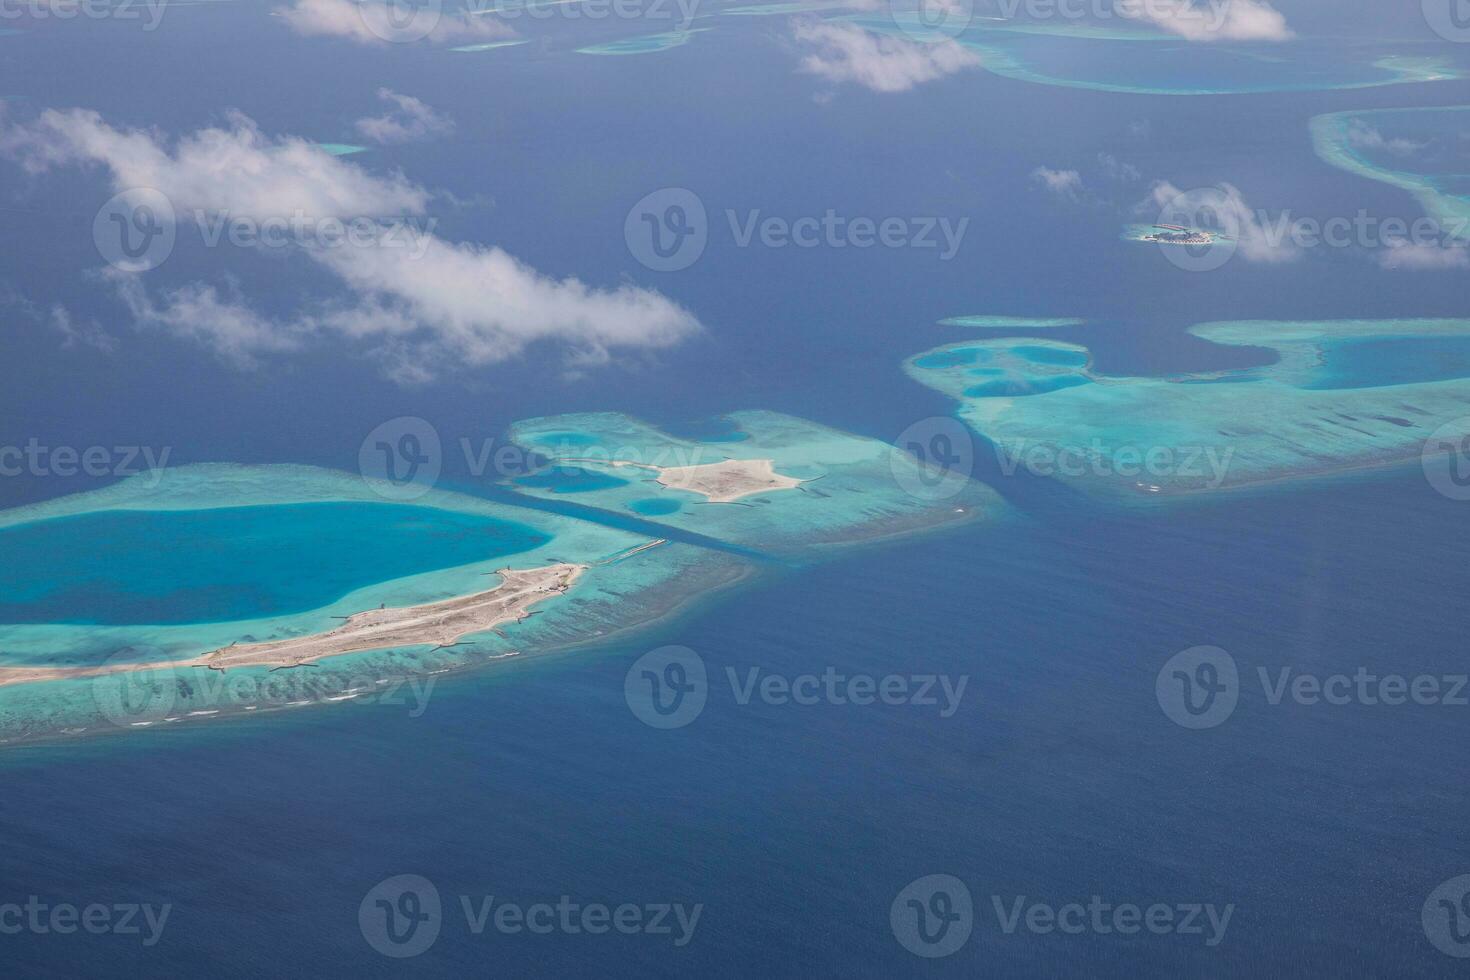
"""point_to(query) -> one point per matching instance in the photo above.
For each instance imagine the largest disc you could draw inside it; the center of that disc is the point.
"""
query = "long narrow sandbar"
(440, 623)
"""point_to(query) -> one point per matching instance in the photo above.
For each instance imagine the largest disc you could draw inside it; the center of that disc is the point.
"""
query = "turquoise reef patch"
(1425, 151)
(1341, 395)
(850, 489)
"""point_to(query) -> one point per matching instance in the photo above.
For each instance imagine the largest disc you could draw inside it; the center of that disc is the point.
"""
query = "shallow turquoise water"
(1378, 363)
(126, 567)
(715, 429)
(953, 358)
(1224, 379)
(570, 438)
(1052, 355)
(1017, 387)
(1167, 66)
(653, 506)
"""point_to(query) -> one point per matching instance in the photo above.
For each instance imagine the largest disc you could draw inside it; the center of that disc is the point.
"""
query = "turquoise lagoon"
(1423, 151)
(1340, 395)
(464, 541)
(123, 567)
(1144, 61)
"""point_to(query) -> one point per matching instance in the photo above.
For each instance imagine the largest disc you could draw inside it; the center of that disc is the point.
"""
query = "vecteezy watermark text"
(1203, 229)
(1210, 15)
(680, 12)
(402, 458)
(136, 698)
(40, 918)
(403, 916)
(1206, 465)
(137, 229)
(150, 12)
(669, 688)
(1450, 19)
(410, 233)
(934, 916)
(1201, 687)
(669, 230)
(35, 458)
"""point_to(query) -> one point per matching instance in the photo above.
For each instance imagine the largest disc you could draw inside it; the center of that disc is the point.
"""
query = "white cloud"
(197, 311)
(78, 333)
(1420, 257)
(74, 333)
(471, 304)
(841, 52)
(235, 169)
(1255, 241)
(407, 120)
(1360, 134)
(371, 22)
(1115, 169)
(422, 305)
(1213, 20)
(1063, 183)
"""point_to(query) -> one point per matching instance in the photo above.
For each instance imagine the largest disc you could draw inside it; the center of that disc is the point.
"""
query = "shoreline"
(441, 623)
(686, 604)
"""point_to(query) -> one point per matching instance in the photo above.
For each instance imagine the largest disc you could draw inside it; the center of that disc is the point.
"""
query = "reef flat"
(1341, 395)
(489, 46)
(1423, 151)
(786, 9)
(982, 321)
(341, 149)
(839, 489)
(1146, 61)
(644, 44)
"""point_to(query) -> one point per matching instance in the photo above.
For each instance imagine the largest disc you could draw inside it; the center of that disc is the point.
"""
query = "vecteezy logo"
(667, 687)
(401, 21)
(1446, 459)
(135, 231)
(933, 458)
(667, 230)
(1446, 917)
(131, 698)
(400, 916)
(1450, 19)
(1199, 230)
(928, 21)
(1198, 687)
(401, 458)
(932, 916)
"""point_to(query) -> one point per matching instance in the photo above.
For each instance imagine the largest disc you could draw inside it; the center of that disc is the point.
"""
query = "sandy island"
(722, 482)
(441, 623)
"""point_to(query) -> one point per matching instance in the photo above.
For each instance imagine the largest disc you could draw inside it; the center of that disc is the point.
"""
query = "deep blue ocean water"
(796, 825)
(1058, 778)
